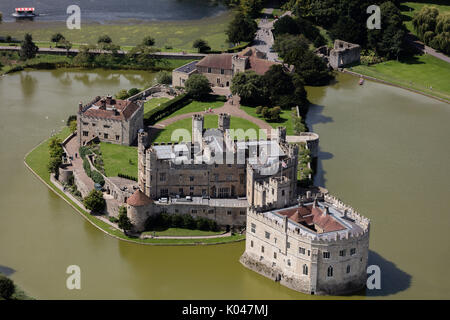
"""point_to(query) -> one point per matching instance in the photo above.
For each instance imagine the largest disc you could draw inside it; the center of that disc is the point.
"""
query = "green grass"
(181, 232)
(285, 119)
(408, 9)
(198, 106)
(210, 121)
(418, 72)
(178, 34)
(119, 159)
(153, 103)
(37, 160)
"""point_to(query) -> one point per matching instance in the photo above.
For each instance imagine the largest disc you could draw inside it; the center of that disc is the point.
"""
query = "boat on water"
(361, 81)
(24, 13)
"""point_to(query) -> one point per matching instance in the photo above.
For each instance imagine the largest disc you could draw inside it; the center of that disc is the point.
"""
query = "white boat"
(24, 13)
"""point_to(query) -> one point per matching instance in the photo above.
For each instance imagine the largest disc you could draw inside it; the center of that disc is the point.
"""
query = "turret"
(224, 121)
(197, 128)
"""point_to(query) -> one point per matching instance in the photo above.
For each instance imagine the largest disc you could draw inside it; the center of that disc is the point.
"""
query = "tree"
(94, 201)
(7, 287)
(197, 86)
(104, 39)
(164, 77)
(122, 94)
(251, 8)
(133, 91)
(28, 49)
(344, 29)
(65, 45)
(433, 28)
(241, 28)
(285, 43)
(57, 37)
(70, 119)
(143, 56)
(73, 126)
(124, 222)
(201, 45)
(148, 41)
(250, 87)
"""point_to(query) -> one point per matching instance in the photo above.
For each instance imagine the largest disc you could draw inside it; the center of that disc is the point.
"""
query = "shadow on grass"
(410, 60)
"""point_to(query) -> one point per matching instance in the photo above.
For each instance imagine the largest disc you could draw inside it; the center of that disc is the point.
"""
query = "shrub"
(7, 287)
(104, 39)
(265, 112)
(123, 221)
(70, 119)
(94, 201)
(133, 91)
(97, 177)
(148, 41)
(258, 109)
(164, 77)
(122, 94)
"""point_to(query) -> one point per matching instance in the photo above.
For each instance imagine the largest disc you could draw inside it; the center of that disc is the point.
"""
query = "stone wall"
(344, 53)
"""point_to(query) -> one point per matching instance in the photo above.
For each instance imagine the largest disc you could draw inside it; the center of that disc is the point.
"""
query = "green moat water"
(383, 150)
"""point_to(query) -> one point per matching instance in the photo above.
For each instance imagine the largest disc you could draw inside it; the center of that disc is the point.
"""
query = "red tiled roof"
(219, 61)
(313, 215)
(139, 199)
(260, 66)
(125, 110)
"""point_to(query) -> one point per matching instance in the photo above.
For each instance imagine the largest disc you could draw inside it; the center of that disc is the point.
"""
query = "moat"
(382, 149)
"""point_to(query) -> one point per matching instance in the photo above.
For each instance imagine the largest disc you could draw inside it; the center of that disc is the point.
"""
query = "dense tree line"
(275, 88)
(433, 28)
(347, 19)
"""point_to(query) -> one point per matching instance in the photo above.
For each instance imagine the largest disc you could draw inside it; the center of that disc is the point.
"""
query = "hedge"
(165, 109)
(126, 176)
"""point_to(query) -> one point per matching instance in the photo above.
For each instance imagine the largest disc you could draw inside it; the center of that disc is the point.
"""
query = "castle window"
(289, 262)
(176, 210)
(191, 188)
(224, 192)
(274, 255)
(352, 251)
(117, 138)
(326, 255)
(106, 136)
(191, 178)
(342, 253)
(211, 211)
(330, 271)
(288, 245)
(222, 71)
(309, 253)
(193, 211)
(85, 124)
(209, 70)
(251, 243)
(242, 213)
(93, 124)
(162, 176)
(262, 249)
(348, 269)
(282, 193)
(301, 250)
(85, 133)
(267, 235)
(241, 178)
(305, 269)
(229, 212)
(253, 228)
(106, 126)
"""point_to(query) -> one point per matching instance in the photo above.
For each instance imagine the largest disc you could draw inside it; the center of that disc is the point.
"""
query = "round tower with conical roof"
(139, 208)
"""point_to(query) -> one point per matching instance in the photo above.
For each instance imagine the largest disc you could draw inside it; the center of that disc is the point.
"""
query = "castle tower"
(224, 121)
(142, 145)
(139, 208)
(281, 134)
(197, 128)
(239, 64)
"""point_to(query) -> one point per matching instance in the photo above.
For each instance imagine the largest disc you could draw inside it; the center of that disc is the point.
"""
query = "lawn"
(285, 119)
(409, 8)
(153, 103)
(210, 121)
(181, 232)
(176, 34)
(421, 72)
(119, 159)
(212, 102)
(39, 157)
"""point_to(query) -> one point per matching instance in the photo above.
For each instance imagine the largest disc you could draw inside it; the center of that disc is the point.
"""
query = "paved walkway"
(425, 49)
(222, 235)
(72, 147)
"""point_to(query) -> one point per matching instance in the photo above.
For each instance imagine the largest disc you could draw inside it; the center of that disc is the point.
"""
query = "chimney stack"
(80, 107)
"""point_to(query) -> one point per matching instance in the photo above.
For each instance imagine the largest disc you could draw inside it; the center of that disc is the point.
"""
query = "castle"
(109, 120)
(342, 54)
(219, 69)
(214, 175)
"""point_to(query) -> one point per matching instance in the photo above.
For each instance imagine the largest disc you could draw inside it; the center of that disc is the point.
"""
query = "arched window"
(330, 271)
(305, 269)
(348, 269)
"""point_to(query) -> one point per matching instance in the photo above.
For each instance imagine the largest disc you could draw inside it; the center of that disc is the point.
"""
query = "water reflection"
(28, 84)
(7, 271)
